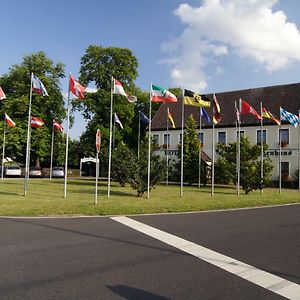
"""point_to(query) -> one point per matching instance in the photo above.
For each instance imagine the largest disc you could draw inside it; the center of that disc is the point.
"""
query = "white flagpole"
(213, 161)
(67, 141)
(149, 142)
(110, 136)
(139, 134)
(262, 151)
(280, 152)
(3, 151)
(200, 148)
(182, 125)
(28, 140)
(97, 176)
(167, 175)
(239, 148)
(51, 160)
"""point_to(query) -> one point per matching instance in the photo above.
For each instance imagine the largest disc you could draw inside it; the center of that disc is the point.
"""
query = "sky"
(206, 46)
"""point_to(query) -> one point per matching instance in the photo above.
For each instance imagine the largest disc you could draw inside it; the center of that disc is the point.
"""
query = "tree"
(98, 66)
(250, 164)
(191, 146)
(16, 84)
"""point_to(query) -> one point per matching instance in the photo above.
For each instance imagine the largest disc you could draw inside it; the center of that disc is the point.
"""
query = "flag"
(237, 112)
(193, 99)
(36, 122)
(144, 118)
(266, 114)
(216, 111)
(287, 116)
(159, 94)
(247, 109)
(204, 114)
(8, 120)
(38, 87)
(76, 88)
(170, 118)
(57, 126)
(117, 120)
(118, 89)
(2, 95)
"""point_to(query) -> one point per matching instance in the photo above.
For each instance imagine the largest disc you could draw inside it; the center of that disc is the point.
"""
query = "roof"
(272, 97)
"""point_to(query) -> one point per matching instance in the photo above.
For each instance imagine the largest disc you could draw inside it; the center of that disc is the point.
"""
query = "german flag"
(193, 99)
(266, 114)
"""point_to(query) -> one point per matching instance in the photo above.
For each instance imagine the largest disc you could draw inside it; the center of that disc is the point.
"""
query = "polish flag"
(118, 89)
(36, 122)
(57, 126)
(9, 121)
(2, 95)
(76, 88)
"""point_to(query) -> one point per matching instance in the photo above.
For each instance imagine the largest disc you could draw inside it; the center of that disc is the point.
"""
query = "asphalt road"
(99, 258)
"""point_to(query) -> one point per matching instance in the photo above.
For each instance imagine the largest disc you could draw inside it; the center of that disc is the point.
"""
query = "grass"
(46, 198)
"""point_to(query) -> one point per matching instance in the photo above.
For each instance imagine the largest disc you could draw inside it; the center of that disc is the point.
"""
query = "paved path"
(101, 258)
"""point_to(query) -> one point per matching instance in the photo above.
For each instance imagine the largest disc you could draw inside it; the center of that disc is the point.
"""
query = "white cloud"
(247, 28)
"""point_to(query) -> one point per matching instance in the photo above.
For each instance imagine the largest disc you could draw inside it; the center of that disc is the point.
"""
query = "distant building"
(286, 96)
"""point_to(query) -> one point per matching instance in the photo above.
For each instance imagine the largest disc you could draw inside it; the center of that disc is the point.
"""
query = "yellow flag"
(193, 99)
(171, 119)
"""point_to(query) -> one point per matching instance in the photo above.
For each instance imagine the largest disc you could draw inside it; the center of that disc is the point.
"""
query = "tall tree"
(98, 65)
(16, 84)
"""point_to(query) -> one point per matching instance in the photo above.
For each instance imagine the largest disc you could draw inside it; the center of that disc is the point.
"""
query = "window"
(285, 170)
(155, 139)
(284, 137)
(180, 138)
(167, 140)
(201, 137)
(242, 133)
(222, 137)
(261, 137)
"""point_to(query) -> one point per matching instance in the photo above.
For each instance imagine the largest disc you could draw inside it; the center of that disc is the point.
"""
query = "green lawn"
(46, 198)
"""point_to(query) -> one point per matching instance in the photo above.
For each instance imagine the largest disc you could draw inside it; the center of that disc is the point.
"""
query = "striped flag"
(38, 87)
(8, 120)
(216, 111)
(119, 90)
(159, 94)
(2, 95)
(36, 122)
(268, 115)
(57, 126)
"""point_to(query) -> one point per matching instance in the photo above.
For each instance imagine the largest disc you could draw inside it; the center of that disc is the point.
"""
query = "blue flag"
(287, 116)
(204, 114)
(144, 118)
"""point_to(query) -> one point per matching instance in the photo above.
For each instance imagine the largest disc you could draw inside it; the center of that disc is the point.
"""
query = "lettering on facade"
(275, 152)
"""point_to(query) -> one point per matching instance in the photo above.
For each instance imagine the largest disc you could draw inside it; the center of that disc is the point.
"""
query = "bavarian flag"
(193, 99)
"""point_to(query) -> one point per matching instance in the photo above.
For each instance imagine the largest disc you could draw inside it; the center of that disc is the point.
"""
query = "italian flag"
(160, 94)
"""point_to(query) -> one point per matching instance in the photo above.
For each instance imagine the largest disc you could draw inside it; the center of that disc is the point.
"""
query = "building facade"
(272, 98)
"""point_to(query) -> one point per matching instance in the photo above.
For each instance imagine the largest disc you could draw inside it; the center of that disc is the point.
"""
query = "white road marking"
(271, 282)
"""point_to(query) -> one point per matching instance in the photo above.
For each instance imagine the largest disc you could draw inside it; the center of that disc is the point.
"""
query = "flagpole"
(67, 141)
(280, 153)
(3, 151)
(213, 161)
(182, 125)
(51, 160)
(114, 132)
(28, 140)
(139, 134)
(110, 136)
(149, 143)
(167, 173)
(238, 149)
(262, 151)
(97, 176)
(200, 148)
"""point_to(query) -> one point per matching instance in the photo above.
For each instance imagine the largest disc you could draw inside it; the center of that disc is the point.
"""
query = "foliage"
(16, 84)
(191, 146)
(250, 165)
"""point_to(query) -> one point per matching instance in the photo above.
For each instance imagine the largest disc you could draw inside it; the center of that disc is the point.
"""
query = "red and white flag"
(8, 120)
(36, 122)
(57, 126)
(2, 95)
(76, 88)
(247, 109)
(118, 89)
